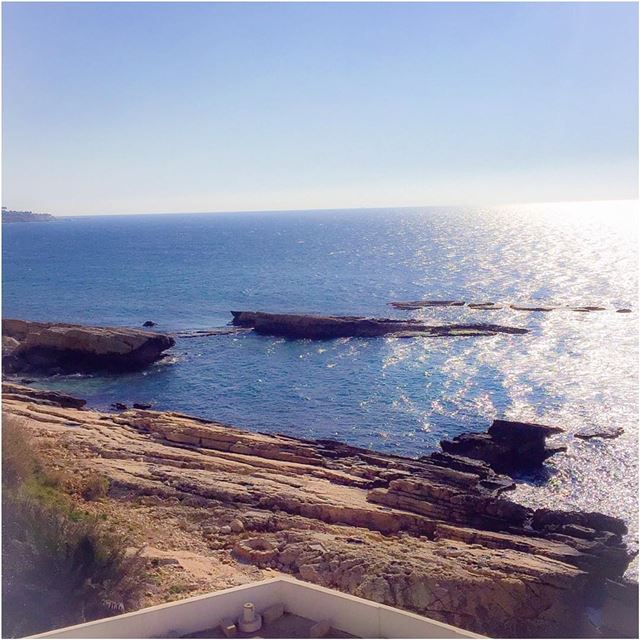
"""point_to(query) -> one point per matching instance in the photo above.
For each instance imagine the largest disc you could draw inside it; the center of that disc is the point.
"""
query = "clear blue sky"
(154, 107)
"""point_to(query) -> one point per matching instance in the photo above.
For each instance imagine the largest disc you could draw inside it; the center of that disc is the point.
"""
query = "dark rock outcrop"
(67, 348)
(547, 519)
(485, 306)
(149, 323)
(623, 310)
(531, 308)
(620, 609)
(599, 432)
(326, 327)
(507, 446)
(423, 304)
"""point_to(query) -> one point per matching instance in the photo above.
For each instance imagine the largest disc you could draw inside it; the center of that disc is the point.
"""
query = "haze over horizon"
(168, 107)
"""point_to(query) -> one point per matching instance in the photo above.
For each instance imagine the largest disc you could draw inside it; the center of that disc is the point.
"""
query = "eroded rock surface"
(315, 327)
(68, 348)
(437, 536)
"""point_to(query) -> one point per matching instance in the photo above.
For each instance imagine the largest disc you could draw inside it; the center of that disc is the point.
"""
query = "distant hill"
(24, 216)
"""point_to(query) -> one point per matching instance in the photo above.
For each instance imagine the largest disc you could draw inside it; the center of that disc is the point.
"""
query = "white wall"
(356, 616)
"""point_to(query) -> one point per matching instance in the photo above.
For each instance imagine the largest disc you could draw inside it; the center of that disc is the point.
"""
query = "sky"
(180, 107)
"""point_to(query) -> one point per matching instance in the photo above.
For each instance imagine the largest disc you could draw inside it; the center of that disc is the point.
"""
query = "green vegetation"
(59, 564)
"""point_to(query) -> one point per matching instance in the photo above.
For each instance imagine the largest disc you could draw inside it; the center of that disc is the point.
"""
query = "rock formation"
(68, 348)
(437, 536)
(518, 307)
(12, 391)
(326, 327)
(423, 304)
(485, 306)
(599, 432)
(507, 446)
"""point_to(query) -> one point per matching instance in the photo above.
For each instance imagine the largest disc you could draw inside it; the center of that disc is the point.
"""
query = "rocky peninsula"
(43, 347)
(217, 506)
(9, 215)
(316, 327)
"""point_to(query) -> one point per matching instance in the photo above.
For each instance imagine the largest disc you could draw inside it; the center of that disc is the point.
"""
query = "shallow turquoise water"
(399, 395)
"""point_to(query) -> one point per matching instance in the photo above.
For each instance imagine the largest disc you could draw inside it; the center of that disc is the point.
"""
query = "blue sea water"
(399, 395)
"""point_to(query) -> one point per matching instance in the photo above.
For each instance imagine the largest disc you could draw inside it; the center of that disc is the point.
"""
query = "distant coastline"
(9, 215)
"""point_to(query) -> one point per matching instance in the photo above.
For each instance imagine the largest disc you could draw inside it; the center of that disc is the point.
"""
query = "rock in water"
(485, 306)
(423, 304)
(149, 323)
(67, 348)
(314, 327)
(599, 432)
(530, 308)
(507, 446)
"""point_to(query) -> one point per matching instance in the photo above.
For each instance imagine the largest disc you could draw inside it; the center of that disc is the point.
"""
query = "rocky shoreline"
(437, 536)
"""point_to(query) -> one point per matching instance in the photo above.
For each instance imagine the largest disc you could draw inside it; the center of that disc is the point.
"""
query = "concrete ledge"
(359, 617)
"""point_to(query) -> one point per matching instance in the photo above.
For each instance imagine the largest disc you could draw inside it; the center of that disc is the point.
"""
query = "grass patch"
(60, 566)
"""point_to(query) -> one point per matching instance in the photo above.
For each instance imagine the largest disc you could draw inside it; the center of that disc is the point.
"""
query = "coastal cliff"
(219, 506)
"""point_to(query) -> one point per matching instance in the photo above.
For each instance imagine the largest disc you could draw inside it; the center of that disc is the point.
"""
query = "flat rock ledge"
(42, 347)
(436, 536)
(415, 305)
(316, 327)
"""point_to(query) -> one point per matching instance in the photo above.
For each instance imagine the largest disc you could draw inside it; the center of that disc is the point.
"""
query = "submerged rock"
(485, 306)
(508, 446)
(599, 432)
(317, 327)
(68, 348)
(531, 308)
(214, 331)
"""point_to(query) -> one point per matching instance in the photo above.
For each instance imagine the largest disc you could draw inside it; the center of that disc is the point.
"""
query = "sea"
(186, 272)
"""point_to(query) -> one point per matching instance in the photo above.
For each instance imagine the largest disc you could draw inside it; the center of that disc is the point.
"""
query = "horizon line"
(352, 208)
